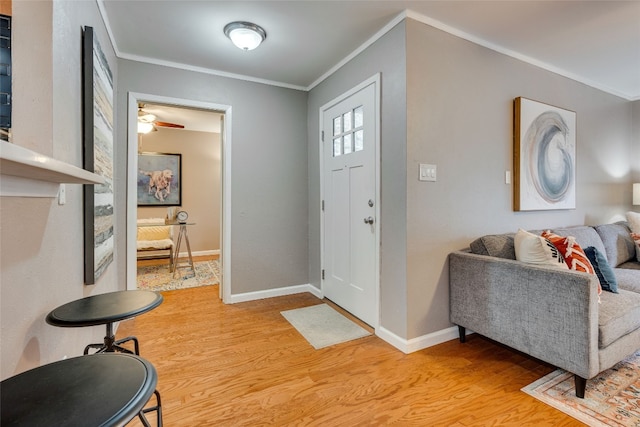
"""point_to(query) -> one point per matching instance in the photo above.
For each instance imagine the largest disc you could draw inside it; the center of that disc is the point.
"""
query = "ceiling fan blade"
(168, 125)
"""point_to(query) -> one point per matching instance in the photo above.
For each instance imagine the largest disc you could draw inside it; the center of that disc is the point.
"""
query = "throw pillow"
(534, 249)
(605, 274)
(572, 252)
(633, 218)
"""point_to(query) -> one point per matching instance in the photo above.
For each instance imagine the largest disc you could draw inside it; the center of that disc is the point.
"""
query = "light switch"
(428, 172)
(62, 195)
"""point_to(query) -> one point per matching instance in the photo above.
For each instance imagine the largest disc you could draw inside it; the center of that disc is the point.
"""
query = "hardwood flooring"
(245, 365)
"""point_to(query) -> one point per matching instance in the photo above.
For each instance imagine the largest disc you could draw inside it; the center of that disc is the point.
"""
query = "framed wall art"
(159, 179)
(98, 157)
(544, 152)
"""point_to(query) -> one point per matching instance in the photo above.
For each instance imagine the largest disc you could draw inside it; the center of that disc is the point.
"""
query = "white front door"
(350, 204)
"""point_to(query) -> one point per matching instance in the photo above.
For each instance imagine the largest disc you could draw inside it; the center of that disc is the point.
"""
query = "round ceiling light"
(245, 35)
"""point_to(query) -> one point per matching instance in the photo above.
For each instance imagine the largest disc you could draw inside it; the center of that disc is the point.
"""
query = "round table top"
(104, 308)
(95, 390)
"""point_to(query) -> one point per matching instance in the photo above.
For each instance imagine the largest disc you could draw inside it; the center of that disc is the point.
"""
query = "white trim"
(211, 71)
(384, 30)
(373, 80)
(419, 343)
(524, 58)
(278, 292)
(132, 171)
(407, 13)
(200, 253)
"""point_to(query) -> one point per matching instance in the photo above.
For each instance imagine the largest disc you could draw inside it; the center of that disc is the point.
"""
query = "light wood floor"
(245, 365)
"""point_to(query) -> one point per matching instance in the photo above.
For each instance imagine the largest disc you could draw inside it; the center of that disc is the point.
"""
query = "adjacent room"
(320, 213)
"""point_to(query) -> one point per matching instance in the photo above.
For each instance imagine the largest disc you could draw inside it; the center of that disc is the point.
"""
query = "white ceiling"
(595, 42)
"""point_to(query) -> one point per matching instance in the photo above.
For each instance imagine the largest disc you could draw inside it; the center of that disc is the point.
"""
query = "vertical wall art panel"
(544, 156)
(98, 158)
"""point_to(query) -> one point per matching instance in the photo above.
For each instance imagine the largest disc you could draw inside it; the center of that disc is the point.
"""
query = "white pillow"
(534, 249)
(633, 218)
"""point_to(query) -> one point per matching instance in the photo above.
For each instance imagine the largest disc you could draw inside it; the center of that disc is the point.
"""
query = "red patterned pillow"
(636, 239)
(572, 252)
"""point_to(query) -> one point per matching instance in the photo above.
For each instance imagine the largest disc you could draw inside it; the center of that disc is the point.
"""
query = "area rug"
(611, 399)
(323, 326)
(158, 277)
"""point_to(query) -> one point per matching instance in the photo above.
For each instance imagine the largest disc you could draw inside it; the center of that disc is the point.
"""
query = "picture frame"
(159, 180)
(97, 92)
(544, 153)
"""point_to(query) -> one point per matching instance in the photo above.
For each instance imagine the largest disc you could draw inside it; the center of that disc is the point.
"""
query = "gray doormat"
(323, 326)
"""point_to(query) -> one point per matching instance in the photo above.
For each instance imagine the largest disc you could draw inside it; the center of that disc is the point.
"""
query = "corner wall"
(459, 116)
(269, 231)
(385, 56)
(41, 249)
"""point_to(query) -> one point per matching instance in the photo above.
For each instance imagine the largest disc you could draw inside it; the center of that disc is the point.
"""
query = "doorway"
(350, 194)
(135, 100)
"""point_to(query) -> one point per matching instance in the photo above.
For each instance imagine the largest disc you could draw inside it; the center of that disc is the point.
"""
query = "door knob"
(368, 220)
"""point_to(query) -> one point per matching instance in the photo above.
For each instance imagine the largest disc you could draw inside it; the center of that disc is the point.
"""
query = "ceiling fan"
(148, 122)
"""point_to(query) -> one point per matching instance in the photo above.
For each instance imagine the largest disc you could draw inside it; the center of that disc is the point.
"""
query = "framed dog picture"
(159, 179)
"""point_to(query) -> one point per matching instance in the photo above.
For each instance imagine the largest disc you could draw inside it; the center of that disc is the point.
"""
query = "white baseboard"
(270, 293)
(404, 345)
(200, 253)
(419, 343)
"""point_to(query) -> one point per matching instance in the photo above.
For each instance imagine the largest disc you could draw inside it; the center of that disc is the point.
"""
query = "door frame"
(132, 172)
(373, 80)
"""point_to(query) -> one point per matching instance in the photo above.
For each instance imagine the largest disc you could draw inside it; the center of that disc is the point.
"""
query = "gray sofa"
(553, 315)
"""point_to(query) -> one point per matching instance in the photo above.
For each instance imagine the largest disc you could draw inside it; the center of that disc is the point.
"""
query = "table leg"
(110, 345)
(176, 263)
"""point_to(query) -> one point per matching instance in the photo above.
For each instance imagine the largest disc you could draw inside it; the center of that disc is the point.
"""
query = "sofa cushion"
(619, 314)
(619, 246)
(628, 278)
(534, 249)
(585, 236)
(495, 245)
(572, 252)
(603, 270)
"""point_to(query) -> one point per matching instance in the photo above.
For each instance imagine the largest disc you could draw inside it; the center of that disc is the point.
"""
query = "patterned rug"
(158, 277)
(611, 399)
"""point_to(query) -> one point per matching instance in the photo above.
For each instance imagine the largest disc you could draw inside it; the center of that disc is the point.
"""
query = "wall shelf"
(26, 173)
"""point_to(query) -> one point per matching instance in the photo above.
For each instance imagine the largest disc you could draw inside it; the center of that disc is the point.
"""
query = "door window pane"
(358, 140)
(348, 146)
(337, 147)
(347, 121)
(358, 117)
(337, 125)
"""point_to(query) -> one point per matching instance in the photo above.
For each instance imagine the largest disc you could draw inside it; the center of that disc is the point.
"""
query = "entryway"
(350, 193)
(213, 223)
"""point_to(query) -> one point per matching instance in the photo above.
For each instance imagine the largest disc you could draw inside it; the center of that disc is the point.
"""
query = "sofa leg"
(581, 385)
(462, 334)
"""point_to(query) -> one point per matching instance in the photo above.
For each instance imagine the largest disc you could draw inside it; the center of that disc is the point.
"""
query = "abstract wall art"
(544, 152)
(98, 158)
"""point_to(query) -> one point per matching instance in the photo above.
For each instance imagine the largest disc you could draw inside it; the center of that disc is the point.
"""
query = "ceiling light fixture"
(245, 35)
(144, 127)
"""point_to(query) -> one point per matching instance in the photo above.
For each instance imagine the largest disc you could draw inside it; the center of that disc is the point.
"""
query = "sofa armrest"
(547, 313)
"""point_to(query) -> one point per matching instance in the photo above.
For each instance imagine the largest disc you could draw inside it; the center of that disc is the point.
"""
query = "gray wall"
(385, 56)
(456, 112)
(268, 170)
(41, 250)
(460, 103)
(635, 158)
